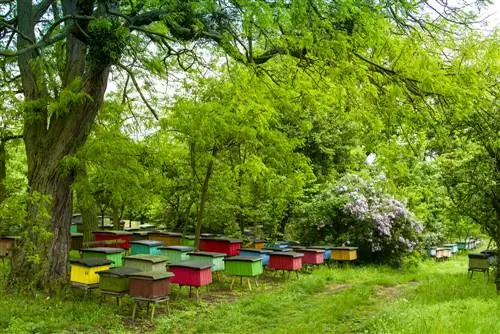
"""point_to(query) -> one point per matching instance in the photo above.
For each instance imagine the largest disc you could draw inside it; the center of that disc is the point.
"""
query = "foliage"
(354, 212)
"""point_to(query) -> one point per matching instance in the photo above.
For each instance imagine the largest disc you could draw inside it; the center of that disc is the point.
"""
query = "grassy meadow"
(434, 298)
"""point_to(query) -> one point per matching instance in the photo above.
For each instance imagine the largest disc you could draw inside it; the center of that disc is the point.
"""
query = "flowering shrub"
(357, 213)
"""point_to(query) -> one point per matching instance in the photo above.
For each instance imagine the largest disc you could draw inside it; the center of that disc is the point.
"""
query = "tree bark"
(3, 171)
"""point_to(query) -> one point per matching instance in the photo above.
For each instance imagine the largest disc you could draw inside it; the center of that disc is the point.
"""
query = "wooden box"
(442, 253)
(115, 279)
(344, 253)
(108, 253)
(140, 235)
(243, 266)
(150, 284)
(285, 261)
(312, 256)
(76, 241)
(146, 262)
(258, 243)
(168, 238)
(176, 254)
(216, 260)
(7, 243)
(453, 247)
(478, 261)
(84, 271)
(264, 254)
(191, 273)
(327, 255)
(122, 238)
(228, 246)
(145, 247)
(188, 240)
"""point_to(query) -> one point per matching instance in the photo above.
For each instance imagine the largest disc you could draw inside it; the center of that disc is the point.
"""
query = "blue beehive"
(146, 247)
(328, 251)
(262, 253)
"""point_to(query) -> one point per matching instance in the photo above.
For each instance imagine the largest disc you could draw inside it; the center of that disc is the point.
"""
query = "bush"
(354, 212)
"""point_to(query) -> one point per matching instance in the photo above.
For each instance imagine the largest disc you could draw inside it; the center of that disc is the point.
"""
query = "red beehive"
(152, 284)
(122, 238)
(312, 256)
(285, 261)
(228, 246)
(191, 273)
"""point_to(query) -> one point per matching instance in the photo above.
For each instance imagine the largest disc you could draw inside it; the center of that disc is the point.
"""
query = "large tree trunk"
(49, 139)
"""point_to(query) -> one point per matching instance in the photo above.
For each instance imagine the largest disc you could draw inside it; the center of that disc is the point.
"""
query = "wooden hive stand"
(149, 301)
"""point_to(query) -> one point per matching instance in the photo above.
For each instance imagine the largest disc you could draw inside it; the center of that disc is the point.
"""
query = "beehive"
(176, 254)
(190, 273)
(115, 279)
(344, 253)
(150, 284)
(216, 260)
(188, 240)
(146, 263)
(84, 271)
(453, 247)
(285, 261)
(168, 238)
(243, 266)
(264, 254)
(327, 255)
(227, 246)
(145, 247)
(140, 235)
(122, 238)
(7, 243)
(108, 253)
(76, 241)
(312, 256)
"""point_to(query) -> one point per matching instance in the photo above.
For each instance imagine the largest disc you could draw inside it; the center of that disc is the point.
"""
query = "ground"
(434, 298)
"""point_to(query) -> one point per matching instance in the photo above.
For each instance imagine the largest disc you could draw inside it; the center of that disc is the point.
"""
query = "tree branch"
(137, 87)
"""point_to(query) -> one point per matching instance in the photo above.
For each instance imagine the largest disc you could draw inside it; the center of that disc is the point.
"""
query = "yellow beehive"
(84, 271)
(344, 253)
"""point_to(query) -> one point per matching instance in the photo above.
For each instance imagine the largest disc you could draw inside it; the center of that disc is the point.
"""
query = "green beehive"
(216, 260)
(188, 240)
(146, 262)
(112, 254)
(116, 279)
(176, 254)
(243, 266)
(145, 247)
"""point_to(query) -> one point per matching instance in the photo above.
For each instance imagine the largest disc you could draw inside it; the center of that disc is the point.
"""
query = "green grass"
(435, 298)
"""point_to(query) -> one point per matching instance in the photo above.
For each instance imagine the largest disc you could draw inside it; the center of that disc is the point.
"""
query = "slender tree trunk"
(116, 217)
(3, 171)
(203, 199)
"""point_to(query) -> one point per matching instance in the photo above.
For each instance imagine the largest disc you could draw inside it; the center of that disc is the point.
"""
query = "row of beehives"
(145, 272)
(448, 250)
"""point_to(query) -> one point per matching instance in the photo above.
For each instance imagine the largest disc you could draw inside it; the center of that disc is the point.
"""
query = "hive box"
(84, 271)
(285, 261)
(344, 253)
(216, 260)
(431, 251)
(191, 273)
(76, 240)
(140, 235)
(262, 253)
(228, 246)
(462, 245)
(327, 255)
(168, 238)
(312, 256)
(442, 253)
(258, 243)
(112, 254)
(150, 284)
(6, 245)
(478, 261)
(145, 247)
(277, 246)
(188, 240)
(243, 265)
(285, 250)
(115, 279)
(453, 247)
(176, 254)
(146, 262)
(122, 238)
